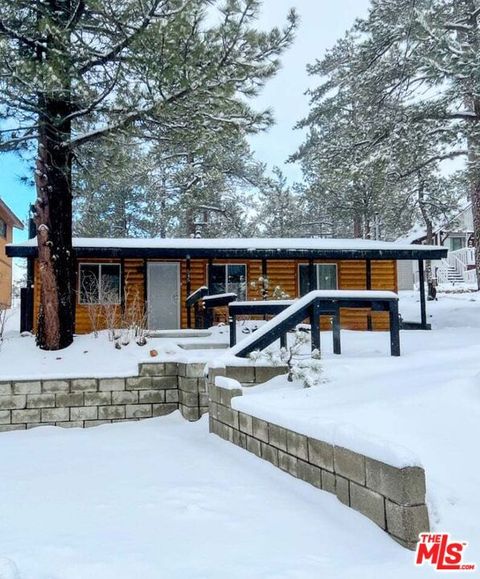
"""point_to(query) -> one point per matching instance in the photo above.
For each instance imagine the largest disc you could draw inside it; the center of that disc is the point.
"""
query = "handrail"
(192, 300)
(314, 304)
(196, 296)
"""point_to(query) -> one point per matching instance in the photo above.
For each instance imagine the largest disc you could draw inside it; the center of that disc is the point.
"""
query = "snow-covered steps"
(203, 346)
(179, 333)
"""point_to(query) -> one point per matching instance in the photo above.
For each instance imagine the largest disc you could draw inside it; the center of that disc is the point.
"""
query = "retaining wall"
(158, 389)
(393, 498)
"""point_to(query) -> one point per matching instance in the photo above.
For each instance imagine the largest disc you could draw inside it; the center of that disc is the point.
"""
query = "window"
(457, 243)
(100, 283)
(326, 277)
(3, 228)
(229, 278)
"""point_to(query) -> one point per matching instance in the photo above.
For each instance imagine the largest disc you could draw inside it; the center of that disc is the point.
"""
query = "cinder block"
(188, 384)
(245, 423)
(126, 397)
(190, 413)
(40, 400)
(192, 369)
(260, 429)
(163, 409)
(214, 393)
(111, 412)
(55, 386)
(110, 384)
(287, 463)
(188, 398)
(5, 417)
(9, 427)
(65, 400)
(31, 415)
(266, 373)
(5, 388)
(55, 414)
(27, 387)
(157, 369)
(228, 416)
(297, 445)
(151, 396)
(90, 423)
(98, 398)
(309, 473)
(269, 453)
(213, 408)
(138, 410)
(342, 490)
(241, 373)
(165, 382)
(83, 385)
(203, 399)
(226, 395)
(202, 386)
(328, 482)
(83, 413)
(171, 368)
(71, 424)
(253, 445)
(143, 383)
(404, 486)
(320, 453)
(349, 464)
(239, 438)
(369, 503)
(406, 522)
(277, 436)
(13, 402)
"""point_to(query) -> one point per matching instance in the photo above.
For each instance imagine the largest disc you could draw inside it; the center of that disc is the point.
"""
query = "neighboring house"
(8, 220)
(161, 273)
(458, 267)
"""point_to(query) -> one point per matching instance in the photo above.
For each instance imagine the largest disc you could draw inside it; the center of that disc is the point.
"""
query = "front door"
(163, 283)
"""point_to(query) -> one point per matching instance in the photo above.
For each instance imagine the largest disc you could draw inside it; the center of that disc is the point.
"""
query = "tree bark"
(432, 290)
(53, 208)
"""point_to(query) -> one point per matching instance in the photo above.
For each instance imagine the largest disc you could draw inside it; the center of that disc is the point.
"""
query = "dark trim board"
(416, 252)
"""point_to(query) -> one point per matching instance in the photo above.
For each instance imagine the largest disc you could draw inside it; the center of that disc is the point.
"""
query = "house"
(162, 273)
(458, 267)
(8, 220)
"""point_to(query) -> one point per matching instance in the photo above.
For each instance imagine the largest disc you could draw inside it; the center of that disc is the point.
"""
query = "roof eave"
(232, 253)
(14, 221)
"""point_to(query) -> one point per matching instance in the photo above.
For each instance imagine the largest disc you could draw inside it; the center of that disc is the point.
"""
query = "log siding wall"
(351, 274)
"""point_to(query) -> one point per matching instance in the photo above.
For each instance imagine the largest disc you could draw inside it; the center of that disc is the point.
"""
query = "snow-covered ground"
(163, 499)
(93, 356)
(423, 407)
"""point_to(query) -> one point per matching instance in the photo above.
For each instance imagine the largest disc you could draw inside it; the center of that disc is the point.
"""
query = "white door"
(163, 283)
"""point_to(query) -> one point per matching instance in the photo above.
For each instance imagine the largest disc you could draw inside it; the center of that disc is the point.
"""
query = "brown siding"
(284, 273)
(5, 270)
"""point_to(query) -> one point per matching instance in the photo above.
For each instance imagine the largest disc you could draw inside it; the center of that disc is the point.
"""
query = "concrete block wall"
(393, 498)
(158, 389)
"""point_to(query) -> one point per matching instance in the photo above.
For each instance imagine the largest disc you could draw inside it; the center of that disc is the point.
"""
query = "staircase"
(456, 268)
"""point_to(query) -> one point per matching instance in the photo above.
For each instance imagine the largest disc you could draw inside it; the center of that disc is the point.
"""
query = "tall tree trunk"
(432, 291)
(53, 207)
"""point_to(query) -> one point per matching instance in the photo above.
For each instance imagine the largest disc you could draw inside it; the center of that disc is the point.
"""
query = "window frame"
(317, 270)
(100, 300)
(225, 266)
(3, 228)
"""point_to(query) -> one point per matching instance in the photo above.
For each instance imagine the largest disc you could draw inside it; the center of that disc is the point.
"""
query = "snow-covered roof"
(244, 247)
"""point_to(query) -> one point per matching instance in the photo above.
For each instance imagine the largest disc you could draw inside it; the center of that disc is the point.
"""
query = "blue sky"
(321, 23)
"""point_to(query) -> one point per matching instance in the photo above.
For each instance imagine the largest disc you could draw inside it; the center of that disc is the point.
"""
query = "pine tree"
(75, 71)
